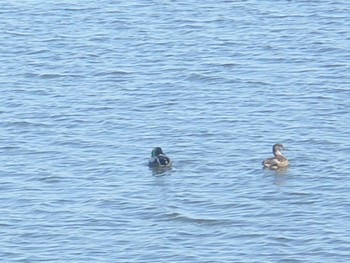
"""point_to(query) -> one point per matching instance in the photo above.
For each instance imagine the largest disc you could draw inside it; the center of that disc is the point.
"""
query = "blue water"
(88, 88)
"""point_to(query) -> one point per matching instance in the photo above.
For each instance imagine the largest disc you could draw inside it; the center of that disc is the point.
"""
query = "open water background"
(88, 88)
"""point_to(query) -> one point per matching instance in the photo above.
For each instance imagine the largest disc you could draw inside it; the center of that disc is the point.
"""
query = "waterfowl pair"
(159, 159)
(278, 161)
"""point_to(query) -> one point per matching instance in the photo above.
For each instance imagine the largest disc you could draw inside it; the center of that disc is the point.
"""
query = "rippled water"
(88, 88)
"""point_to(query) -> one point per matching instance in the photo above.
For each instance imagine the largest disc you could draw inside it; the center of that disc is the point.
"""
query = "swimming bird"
(278, 161)
(159, 159)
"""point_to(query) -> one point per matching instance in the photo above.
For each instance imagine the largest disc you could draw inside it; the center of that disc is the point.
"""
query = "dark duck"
(159, 159)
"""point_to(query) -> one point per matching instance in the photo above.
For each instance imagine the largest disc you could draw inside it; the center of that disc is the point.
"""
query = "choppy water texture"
(88, 88)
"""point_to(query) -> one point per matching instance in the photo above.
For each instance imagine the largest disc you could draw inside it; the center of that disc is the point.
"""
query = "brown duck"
(278, 161)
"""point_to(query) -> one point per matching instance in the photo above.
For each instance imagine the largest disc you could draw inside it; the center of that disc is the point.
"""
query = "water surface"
(89, 88)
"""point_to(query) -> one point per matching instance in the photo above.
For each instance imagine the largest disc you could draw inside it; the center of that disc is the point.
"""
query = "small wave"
(25, 124)
(113, 73)
(49, 75)
(201, 77)
(40, 51)
(18, 33)
(198, 219)
(55, 76)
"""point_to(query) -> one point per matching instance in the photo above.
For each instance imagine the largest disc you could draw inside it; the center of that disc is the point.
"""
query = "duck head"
(157, 151)
(276, 149)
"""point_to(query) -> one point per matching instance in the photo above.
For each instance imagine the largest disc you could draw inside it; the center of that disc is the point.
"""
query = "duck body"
(278, 161)
(159, 159)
